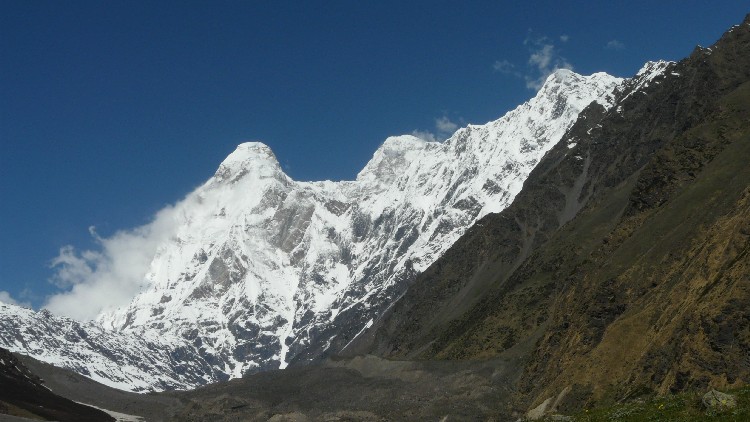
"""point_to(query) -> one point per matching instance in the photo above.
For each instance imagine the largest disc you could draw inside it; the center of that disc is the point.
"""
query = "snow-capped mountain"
(263, 271)
(136, 362)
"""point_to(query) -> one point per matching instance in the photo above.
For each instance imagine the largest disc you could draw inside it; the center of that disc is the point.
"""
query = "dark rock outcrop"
(23, 394)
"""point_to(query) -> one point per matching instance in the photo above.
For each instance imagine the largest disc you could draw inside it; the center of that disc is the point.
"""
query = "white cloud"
(6, 298)
(424, 135)
(445, 126)
(544, 59)
(111, 276)
(614, 45)
(73, 269)
(504, 66)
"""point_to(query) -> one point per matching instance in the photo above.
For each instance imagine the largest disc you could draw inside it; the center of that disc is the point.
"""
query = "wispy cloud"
(424, 135)
(544, 59)
(504, 66)
(6, 298)
(614, 45)
(96, 280)
(444, 125)
(444, 128)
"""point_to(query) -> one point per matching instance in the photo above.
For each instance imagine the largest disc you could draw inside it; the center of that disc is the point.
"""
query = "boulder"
(718, 401)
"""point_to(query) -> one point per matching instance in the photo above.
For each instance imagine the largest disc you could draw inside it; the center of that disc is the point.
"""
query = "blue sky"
(111, 110)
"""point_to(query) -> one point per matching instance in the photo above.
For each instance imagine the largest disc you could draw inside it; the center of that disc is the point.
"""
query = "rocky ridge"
(620, 270)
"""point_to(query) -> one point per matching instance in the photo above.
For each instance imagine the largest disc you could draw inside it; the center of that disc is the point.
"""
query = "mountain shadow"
(23, 394)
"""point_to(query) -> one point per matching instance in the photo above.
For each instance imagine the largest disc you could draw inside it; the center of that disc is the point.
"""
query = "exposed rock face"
(621, 267)
(717, 402)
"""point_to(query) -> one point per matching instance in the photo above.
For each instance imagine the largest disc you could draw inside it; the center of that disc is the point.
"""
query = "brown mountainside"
(621, 268)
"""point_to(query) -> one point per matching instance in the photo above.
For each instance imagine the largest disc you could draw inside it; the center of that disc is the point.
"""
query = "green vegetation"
(685, 407)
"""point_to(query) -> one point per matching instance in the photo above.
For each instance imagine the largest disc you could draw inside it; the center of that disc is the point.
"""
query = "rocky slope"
(361, 389)
(23, 394)
(123, 405)
(621, 268)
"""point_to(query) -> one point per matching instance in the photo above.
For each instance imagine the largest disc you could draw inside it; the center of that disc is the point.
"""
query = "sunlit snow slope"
(129, 361)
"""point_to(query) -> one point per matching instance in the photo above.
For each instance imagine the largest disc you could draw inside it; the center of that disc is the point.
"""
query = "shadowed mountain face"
(621, 267)
(23, 394)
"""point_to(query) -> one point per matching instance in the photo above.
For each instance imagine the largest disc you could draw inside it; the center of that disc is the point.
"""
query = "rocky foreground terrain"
(364, 388)
(24, 395)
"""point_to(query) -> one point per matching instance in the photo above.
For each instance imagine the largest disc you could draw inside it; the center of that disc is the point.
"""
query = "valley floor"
(359, 389)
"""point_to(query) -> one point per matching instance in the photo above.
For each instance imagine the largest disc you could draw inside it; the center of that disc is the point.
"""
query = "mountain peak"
(248, 155)
(392, 158)
(567, 77)
(250, 151)
(565, 86)
(261, 271)
(563, 75)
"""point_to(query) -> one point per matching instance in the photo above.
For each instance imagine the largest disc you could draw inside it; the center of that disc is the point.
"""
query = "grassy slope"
(663, 304)
(684, 407)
